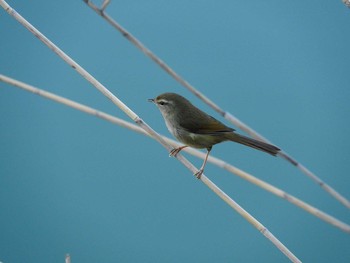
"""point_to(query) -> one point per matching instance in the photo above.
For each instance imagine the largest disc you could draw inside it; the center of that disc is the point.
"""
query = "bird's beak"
(151, 100)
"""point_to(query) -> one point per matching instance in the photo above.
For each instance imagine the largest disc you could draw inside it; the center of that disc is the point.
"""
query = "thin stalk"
(227, 115)
(216, 161)
(148, 129)
(105, 4)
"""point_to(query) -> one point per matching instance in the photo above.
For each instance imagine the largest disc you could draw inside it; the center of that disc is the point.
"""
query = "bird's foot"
(199, 173)
(175, 151)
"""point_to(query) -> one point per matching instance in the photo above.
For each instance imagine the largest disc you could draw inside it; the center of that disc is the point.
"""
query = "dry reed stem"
(148, 129)
(216, 161)
(227, 115)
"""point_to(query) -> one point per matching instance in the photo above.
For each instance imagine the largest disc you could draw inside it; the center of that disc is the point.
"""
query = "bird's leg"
(198, 174)
(175, 151)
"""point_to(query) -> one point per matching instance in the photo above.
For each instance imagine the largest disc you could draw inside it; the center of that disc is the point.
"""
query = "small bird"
(196, 129)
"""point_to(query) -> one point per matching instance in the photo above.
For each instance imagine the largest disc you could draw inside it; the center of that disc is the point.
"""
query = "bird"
(195, 128)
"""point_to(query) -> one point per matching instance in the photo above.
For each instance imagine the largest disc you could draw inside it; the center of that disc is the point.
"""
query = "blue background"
(73, 183)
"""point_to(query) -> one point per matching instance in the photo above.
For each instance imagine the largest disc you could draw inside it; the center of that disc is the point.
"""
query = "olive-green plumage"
(197, 129)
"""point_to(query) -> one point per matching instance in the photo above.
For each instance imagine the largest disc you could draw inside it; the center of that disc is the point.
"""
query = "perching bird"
(196, 129)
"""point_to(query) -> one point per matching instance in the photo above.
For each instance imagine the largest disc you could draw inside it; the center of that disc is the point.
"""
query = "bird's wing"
(203, 123)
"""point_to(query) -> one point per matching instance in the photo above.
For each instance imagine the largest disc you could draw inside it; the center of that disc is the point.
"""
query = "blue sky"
(73, 183)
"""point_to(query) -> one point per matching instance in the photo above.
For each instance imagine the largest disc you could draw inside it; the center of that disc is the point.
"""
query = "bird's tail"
(262, 146)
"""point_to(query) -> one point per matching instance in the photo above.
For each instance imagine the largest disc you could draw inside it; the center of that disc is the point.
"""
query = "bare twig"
(227, 115)
(149, 130)
(218, 162)
(105, 4)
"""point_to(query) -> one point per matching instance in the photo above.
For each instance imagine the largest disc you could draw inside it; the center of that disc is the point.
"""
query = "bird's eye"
(162, 102)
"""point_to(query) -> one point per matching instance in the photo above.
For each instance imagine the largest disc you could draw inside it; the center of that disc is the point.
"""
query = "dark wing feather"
(202, 123)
